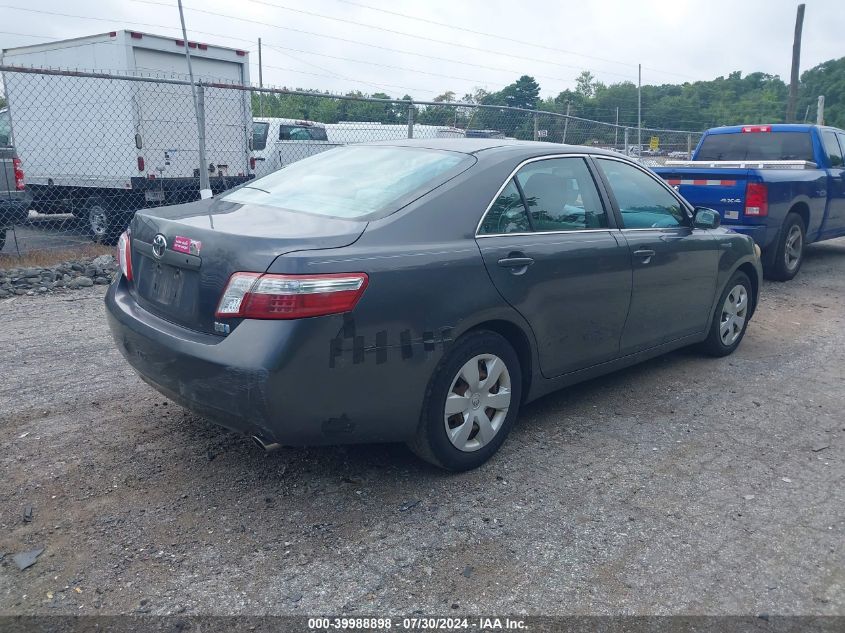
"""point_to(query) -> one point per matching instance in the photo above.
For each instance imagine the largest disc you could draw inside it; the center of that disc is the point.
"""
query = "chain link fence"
(94, 148)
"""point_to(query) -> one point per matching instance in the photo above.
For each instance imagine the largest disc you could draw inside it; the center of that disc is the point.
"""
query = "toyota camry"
(421, 291)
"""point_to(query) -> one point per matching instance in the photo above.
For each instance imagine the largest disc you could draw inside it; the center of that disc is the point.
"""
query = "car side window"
(507, 214)
(841, 137)
(831, 148)
(643, 202)
(561, 196)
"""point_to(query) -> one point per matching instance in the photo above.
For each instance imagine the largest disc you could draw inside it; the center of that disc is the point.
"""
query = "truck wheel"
(102, 222)
(790, 249)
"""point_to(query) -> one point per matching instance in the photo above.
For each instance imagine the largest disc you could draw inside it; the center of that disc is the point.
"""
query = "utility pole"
(260, 81)
(566, 122)
(796, 64)
(639, 109)
(536, 128)
(820, 111)
(205, 187)
(616, 129)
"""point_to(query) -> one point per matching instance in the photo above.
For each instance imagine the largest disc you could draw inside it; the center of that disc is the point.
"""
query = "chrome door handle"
(645, 254)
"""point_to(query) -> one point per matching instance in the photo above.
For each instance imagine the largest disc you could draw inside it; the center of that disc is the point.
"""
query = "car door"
(549, 247)
(674, 265)
(835, 217)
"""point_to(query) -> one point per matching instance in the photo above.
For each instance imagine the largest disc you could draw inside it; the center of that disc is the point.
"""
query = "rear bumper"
(14, 208)
(276, 379)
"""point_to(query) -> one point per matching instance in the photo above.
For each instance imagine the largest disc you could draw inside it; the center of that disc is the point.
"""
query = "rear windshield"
(757, 146)
(354, 181)
(302, 133)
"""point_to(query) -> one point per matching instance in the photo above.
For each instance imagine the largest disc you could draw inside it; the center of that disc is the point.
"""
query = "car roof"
(494, 145)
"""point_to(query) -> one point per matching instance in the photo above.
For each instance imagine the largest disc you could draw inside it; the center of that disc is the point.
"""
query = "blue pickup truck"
(782, 184)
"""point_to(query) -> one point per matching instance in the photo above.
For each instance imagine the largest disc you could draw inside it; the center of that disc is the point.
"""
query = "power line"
(500, 37)
(477, 49)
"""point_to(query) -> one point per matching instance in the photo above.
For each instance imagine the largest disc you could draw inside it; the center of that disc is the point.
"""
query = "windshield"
(757, 146)
(354, 181)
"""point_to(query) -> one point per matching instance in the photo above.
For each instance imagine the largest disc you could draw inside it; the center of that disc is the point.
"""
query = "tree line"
(735, 99)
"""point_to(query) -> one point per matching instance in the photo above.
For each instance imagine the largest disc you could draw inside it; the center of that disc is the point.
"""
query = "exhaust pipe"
(268, 447)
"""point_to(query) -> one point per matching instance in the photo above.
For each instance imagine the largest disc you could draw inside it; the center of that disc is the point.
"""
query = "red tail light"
(17, 166)
(756, 128)
(124, 254)
(257, 296)
(756, 199)
(252, 163)
(140, 163)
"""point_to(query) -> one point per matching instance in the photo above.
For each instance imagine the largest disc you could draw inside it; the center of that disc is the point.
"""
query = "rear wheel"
(471, 404)
(790, 249)
(103, 221)
(731, 317)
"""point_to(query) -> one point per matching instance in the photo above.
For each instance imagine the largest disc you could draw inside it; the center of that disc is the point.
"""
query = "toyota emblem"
(159, 245)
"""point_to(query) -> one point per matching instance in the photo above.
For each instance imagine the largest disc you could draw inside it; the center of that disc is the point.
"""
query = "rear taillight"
(257, 296)
(124, 256)
(756, 199)
(252, 163)
(756, 128)
(141, 163)
(20, 185)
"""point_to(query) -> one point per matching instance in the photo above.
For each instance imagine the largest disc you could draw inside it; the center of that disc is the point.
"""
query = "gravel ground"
(685, 485)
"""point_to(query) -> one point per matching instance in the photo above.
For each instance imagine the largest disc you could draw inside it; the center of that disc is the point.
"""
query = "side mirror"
(705, 218)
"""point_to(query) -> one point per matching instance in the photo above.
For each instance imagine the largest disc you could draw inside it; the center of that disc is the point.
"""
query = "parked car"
(422, 291)
(14, 198)
(784, 185)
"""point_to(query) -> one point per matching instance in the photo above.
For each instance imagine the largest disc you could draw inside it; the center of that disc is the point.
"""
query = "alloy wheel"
(793, 247)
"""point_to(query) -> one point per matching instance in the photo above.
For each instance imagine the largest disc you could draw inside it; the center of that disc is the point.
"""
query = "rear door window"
(561, 196)
(757, 146)
(507, 214)
(831, 148)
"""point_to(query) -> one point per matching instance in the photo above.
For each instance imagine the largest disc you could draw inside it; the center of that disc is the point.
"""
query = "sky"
(427, 47)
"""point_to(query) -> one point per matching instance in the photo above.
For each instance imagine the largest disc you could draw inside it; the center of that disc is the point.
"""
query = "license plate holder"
(154, 195)
(166, 285)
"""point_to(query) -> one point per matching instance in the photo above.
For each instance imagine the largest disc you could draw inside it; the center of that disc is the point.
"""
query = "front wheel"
(790, 249)
(471, 404)
(731, 318)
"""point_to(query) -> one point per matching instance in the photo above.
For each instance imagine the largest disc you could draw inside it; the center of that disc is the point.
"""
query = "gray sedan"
(421, 291)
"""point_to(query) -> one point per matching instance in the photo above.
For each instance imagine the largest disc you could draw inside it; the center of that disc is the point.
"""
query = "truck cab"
(781, 184)
(277, 142)
(14, 199)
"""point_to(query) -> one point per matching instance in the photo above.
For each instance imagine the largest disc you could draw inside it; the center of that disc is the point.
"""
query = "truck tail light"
(257, 296)
(756, 128)
(140, 163)
(252, 163)
(17, 166)
(124, 254)
(756, 199)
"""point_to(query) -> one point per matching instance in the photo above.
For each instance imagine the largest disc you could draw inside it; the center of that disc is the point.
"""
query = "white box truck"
(101, 148)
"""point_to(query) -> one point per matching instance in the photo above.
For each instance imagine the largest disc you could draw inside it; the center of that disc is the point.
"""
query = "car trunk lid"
(183, 256)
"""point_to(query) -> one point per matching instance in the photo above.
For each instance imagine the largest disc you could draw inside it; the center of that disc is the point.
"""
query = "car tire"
(790, 249)
(103, 223)
(730, 320)
(463, 439)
